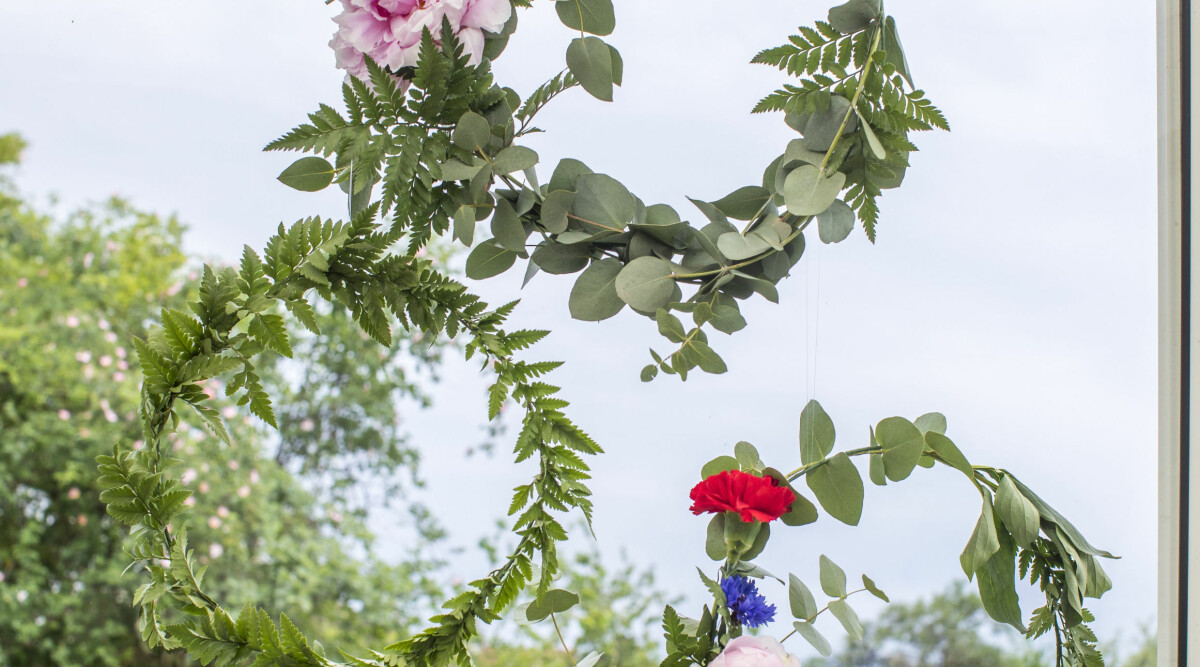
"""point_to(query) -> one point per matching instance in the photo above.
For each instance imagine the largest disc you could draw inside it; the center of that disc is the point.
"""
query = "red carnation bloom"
(751, 496)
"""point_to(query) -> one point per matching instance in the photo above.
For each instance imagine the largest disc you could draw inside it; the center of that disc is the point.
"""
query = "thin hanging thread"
(817, 324)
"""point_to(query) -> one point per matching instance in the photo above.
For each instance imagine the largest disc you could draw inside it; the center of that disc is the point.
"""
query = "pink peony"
(389, 31)
(746, 651)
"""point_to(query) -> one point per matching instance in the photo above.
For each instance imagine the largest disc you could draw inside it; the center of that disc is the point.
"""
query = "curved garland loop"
(438, 138)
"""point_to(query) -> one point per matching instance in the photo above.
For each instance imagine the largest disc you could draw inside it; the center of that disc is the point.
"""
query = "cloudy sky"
(1012, 286)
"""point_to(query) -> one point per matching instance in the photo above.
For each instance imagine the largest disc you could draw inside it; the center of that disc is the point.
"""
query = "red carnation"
(751, 496)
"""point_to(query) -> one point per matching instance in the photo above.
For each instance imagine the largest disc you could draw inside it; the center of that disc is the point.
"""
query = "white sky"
(1012, 286)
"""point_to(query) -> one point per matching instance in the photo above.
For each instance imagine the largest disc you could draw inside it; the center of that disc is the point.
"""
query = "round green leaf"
(821, 127)
(561, 259)
(737, 247)
(646, 283)
(839, 489)
(507, 228)
(807, 192)
(743, 203)
(603, 203)
(472, 132)
(590, 60)
(903, 443)
(555, 601)
(594, 16)
(489, 259)
(555, 209)
(802, 511)
(931, 421)
(566, 173)
(514, 158)
(308, 174)
(594, 296)
(817, 434)
(718, 466)
(835, 223)
(855, 15)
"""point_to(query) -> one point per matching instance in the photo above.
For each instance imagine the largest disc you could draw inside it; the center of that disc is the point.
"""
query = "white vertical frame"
(1179, 339)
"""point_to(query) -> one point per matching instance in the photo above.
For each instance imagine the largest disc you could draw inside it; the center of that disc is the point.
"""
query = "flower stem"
(561, 639)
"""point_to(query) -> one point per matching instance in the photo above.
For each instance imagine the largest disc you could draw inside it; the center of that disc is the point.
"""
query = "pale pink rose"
(746, 651)
(243, 491)
(110, 336)
(118, 377)
(22, 282)
(389, 31)
(72, 321)
(223, 512)
(105, 361)
(83, 356)
(120, 353)
(103, 324)
(73, 493)
(64, 414)
(123, 365)
(234, 465)
(214, 522)
(254, 477)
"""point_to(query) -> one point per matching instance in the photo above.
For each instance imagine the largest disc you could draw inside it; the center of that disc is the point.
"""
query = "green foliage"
(273, 513)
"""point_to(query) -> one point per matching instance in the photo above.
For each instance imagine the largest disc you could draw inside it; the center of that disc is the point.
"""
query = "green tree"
(272, 508)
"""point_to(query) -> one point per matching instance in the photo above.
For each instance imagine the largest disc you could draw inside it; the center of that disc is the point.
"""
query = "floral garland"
(427, 146)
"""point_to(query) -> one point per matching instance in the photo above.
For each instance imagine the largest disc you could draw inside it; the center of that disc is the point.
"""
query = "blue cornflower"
(747, 605)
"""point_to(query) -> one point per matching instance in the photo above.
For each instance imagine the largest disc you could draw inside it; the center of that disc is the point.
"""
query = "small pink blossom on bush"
(83, 356)
(223, 512)
(73, 493)
(105, 361)
(123, 365)
(243, 491)
(203, 487)
(110, 337)
(120, 353)
(81, 520)
(215, 550)
(389, 31)
(188, 476)
(746, 651)
(118, 377)
(189, 501)
(254, 477)
(64, 414)
(72, 321)
(307, 425)
(214, 522)
(234, 465)
(22, 282)
(229, 412)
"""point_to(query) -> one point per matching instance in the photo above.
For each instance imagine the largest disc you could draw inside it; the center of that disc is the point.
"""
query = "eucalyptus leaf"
(1017, 512)
(875, 469)
(555, 208)
(590, 60)
(718, 465)
(554, 601)
(514, 158)
(846, 615)
(594, 296)
(835, 223)
(983, 543)
(603, 203)
(820, 128)
(308, 174)
(997, 584)
(801, 600)
(796, 155)
(715, 545)
(903, 443)
(743, 203)
(737, 247)
(507, 228)
(931, 421)
(872, 141)
(873, 589)
(593, 16)
(472, 132)
(813, 637)
(560, 259)
(855, 15)
(1048, 513)
(759, 544)
(890, 43)
(949, 452)
(727, 319)
(590, 660)
(817, 434)
(747, 457)
(839, 488)
(566, 174)
(833, 578)
(807, 192)
(646, 283)
(454, 170)
(489, 259)
(464, 225)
